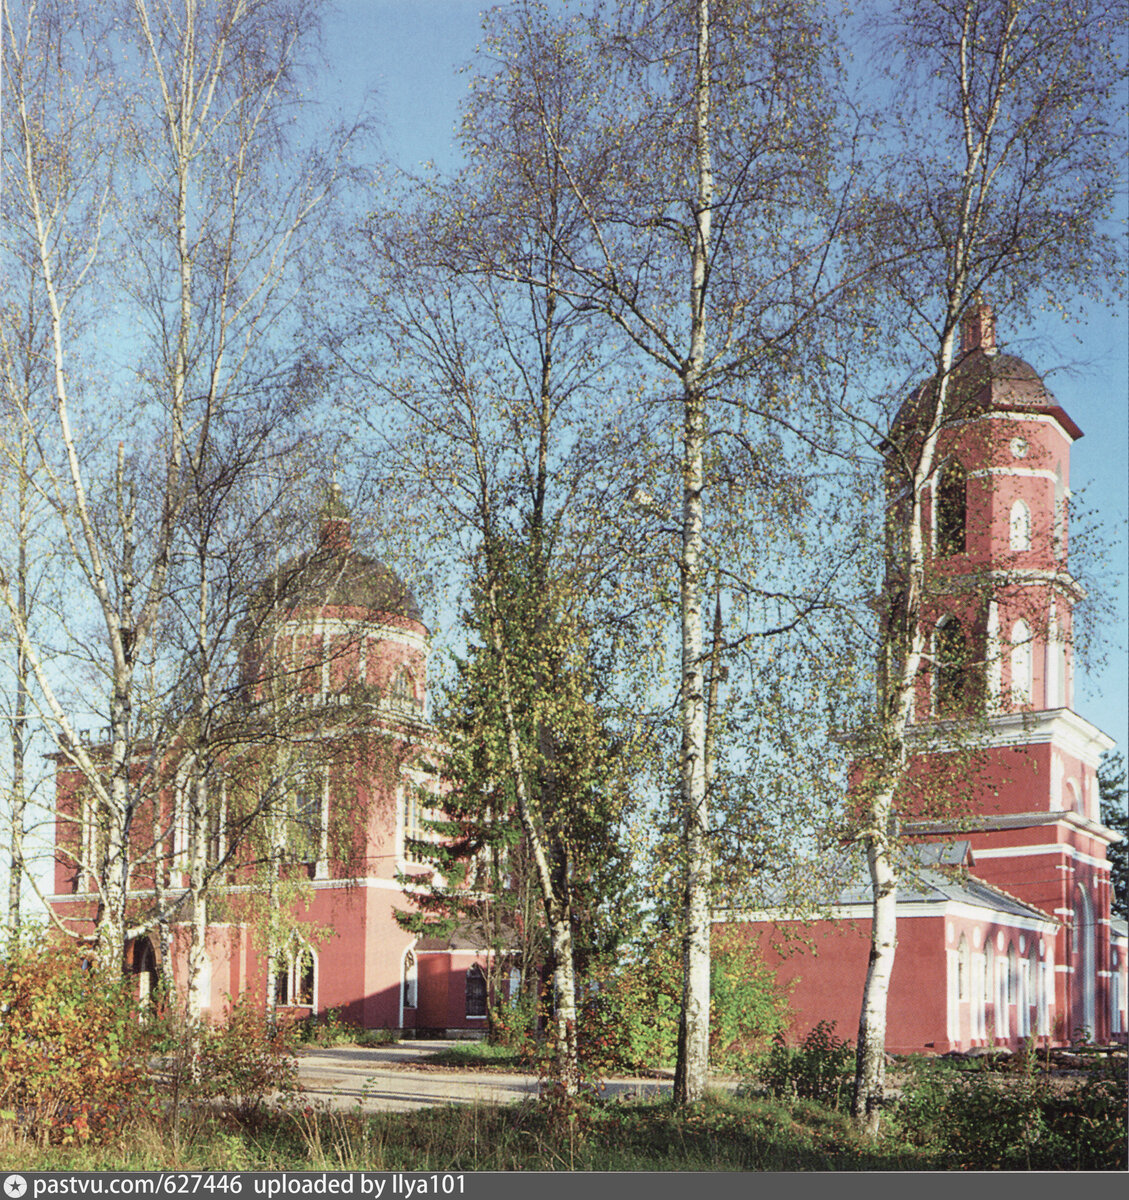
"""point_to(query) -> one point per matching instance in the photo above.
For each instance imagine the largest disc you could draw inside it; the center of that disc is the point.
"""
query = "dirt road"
(396, 1078)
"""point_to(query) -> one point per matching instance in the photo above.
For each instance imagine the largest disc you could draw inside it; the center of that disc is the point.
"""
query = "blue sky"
(408, 54)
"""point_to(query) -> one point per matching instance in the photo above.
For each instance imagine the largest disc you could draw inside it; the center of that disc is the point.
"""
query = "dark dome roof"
(1001, 382)
(988, 382)
(337, 576)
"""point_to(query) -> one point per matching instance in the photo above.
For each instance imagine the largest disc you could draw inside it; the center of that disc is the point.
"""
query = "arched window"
(1083, 963)
(956, 682)
(1059, 538)
(963, 962)
(515, 987)
(403, 693)
(979, 1024)
(411, 980)
(1070, 799)
(295, 976)
(951, 509)
(475, 992)
(1021, 664)
(1003, 976)
(1019, 527)
(307, 826)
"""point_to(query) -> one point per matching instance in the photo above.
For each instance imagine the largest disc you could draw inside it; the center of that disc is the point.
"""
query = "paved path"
(382, 1078)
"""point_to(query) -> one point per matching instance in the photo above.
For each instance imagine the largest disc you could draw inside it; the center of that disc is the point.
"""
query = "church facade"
(1004, 927)
(1004, 923)
(304, 908)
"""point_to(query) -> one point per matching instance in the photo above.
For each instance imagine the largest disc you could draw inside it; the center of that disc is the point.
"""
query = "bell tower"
(1001, 609)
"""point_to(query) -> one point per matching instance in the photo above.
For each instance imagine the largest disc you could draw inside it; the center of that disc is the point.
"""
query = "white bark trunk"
(555, 899)
(692, 1068)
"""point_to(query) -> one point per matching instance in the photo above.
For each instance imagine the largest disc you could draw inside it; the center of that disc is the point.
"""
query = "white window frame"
(1019, 527)
(1003, 1024)
(1022, 664)
(952, 1006)
(411, 813)
(291, 958)
(979, 1015)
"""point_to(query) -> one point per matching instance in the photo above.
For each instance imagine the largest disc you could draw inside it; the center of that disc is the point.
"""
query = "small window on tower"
(1019, 527)
(403, 693)
(1021, 664)
(956, 680)
(951, 509)
(305, 833)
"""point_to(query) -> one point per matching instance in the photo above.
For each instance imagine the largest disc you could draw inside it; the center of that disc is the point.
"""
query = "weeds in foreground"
(946, 1118)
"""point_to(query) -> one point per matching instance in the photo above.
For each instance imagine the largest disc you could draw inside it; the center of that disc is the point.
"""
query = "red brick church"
(342, 641)
(1004, 925)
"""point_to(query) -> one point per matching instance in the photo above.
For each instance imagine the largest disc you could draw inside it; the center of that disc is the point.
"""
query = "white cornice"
(353, 628)
(1061, 727)
(318, 885)
(1025, 820)
(907, 909)
(1026, 472)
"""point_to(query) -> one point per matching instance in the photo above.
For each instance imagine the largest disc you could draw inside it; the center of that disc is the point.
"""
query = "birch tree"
(1002, 169)
(155, 139)
(698, 154)
(496, 425)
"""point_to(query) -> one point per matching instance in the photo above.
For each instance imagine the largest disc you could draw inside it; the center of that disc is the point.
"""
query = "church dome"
(334, 575)
(984, 380)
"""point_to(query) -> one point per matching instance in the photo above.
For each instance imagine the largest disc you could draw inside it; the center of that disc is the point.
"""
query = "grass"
(947, 1118)
(477, 1055)
(722, 1134)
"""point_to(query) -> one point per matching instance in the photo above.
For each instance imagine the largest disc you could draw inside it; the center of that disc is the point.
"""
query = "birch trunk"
(896, 708)
(19, 716)
(558, 914)
(692, 1068)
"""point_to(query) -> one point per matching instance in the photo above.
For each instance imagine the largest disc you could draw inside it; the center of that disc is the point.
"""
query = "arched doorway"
(1083, 964)
(143, 964)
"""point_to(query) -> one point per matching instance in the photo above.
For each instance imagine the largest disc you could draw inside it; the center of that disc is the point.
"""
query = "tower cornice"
(1001, 821)
(1063, 728)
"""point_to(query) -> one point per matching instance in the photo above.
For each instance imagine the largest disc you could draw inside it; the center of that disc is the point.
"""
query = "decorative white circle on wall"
(1019, 447)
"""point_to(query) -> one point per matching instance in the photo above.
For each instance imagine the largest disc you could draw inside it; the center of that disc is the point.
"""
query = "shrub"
(326, 1029)
(821, 1068)
(243, 1061)
(512, 1025)
(747, 1008)
(73, 1050)
(632, 1021)
(1032, 1121)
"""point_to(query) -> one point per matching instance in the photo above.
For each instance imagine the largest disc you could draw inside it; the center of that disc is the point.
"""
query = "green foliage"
(73, 1050)
(512, 1023)
(632, 1021)
(821, 1068)
(1029, 1120)
(243, 1062)
(747, 1008)
(328, 1029)
(1111, 790)
(475, 1054)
